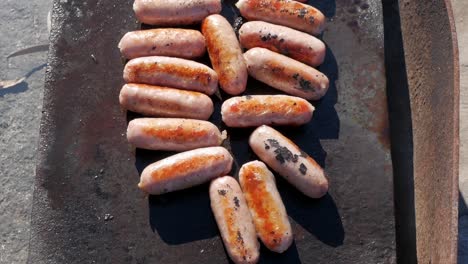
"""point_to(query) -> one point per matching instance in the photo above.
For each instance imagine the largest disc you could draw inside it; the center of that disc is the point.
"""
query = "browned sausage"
(292, 43)
(165, 102)
(265, 204)
(286, 74)
(256, 110)
(225, 54)
(174, 12)
(286, 158)
(172, 134)
(234, 220)
(172, 72)
(185, 170)
(284, 12)
(171, 42)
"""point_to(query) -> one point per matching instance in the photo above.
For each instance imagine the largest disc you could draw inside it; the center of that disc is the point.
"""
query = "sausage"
(225, 54)
(266, 207)
(172, 72)
(286, 74)
(171, 42)
(185, 170)
(234, 220)
(172, 134)
(174, 12)
(165, 102)
(256, 110)
(284, 12)
(285, 157)
(289, 42)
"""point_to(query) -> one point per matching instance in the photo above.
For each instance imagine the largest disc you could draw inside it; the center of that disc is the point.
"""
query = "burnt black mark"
(222, 192)
(281, 40)
(303, 169)
(283, 154)
(239, 238)
(248, 97)
(311, 19)
(304, 84)
(268, 37)
(302, 13)
(303, 154)
(236, 202)
(266, 146)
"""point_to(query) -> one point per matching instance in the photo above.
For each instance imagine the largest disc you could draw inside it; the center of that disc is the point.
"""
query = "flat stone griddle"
(87, 208)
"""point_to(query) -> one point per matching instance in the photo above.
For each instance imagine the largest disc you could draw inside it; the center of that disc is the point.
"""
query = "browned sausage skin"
(292, 43)
(172, 134)
(174, 12)
(185, 170)
(225, 54)
(286, 74)
(265, 204)
(286, 158)
(165, 102)
(284, 12)
(172, 72)
(234, 220)
(171, 42)
(256, 110)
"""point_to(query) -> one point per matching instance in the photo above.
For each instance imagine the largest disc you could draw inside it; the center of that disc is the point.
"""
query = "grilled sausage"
(234, 220)
(174, 12)
(171, 42)
(284, 12)
(265, 204)
(165, 102)
(256, 110)
(225, 54)
(172, 134)
(292, 43)
(285, 157)
(286, 74)
(186, 169)
(172, 72)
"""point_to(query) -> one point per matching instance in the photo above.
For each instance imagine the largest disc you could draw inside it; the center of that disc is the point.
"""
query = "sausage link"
(284, 12)
(256, 110)
(172, 134)
(286, 74)
(165, 102)
(265, 204)
(171, 42)
(184, 170)
(225, 54)
(285, 157)
(174, 12)
(289, 42)
(234, 220)
(172, 72)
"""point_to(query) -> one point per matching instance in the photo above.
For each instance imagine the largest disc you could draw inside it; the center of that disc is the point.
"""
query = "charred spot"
(303, 169)
(303, 83)
(239, 238)
(302, 13)
(248, 97)
(311, 19)
(222, 192)
(268, 37)
(153, 48)
(295, 158)
(283, 154)
(236, 202)
(266, 146)
(303, 154)
(281, 40)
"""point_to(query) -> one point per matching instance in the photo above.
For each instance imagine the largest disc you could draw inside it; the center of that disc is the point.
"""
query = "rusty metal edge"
(456, 129)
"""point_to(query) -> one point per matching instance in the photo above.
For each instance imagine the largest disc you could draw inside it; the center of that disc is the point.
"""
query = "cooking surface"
(87, 170)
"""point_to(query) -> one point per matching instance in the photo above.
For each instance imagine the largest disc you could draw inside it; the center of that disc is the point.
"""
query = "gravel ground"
(23, 24)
